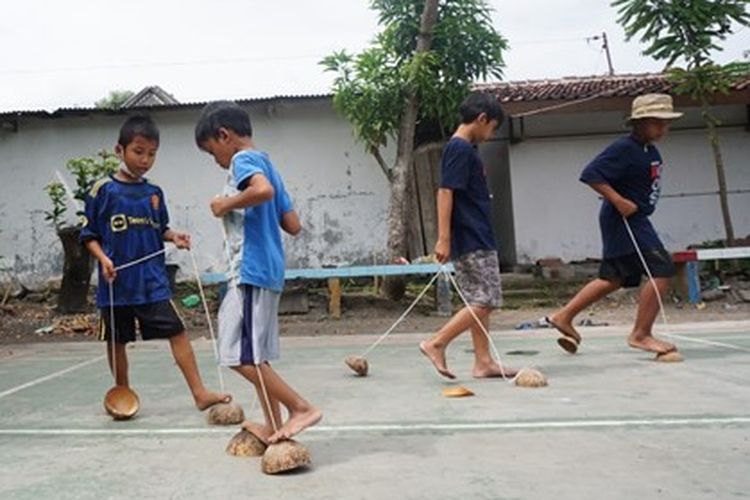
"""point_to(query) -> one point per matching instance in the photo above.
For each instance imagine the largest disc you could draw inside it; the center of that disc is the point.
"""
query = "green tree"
(688, 32)
(417, 71)
(115, 99)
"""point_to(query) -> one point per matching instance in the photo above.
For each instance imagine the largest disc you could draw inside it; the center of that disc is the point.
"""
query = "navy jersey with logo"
(634, 170)
(462, 172)
(129, 221)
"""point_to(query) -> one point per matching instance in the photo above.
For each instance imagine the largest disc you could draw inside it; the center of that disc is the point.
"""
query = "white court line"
(333, 429)
(51, 376)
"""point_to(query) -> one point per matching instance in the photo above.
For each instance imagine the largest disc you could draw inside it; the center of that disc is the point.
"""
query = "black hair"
(138, 125)
(477, 103)
(222, 114)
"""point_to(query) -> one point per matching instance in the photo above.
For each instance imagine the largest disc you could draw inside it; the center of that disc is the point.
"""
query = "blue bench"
(335, 274)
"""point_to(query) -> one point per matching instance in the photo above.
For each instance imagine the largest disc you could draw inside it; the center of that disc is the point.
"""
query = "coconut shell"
(285, 456)
(358, 365)
(457, 392)
(121, 402)
(246, 444)
(670, 357)
(529, 377)
(225, 414)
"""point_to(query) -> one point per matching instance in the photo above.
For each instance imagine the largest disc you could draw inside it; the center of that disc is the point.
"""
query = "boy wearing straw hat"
(254, 209)
(125, 223)
(627, 174)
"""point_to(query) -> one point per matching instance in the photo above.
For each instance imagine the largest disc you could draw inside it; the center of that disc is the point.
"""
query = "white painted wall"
(556, 215)
(340, 191)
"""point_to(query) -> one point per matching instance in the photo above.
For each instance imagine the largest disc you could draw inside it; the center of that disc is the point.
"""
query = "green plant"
(56, 192)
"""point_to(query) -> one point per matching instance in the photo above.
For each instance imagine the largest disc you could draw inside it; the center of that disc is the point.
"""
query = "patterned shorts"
(478, 276)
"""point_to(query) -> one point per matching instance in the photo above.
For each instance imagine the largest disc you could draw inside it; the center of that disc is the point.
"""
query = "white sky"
(73, 52)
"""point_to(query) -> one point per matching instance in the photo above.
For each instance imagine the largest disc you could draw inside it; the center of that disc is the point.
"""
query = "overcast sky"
(73, 52)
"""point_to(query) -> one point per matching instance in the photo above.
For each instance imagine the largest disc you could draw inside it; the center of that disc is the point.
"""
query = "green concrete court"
(613, 424)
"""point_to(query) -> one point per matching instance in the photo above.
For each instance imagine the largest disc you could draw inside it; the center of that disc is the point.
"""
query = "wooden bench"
(335, 274)
(687, 266)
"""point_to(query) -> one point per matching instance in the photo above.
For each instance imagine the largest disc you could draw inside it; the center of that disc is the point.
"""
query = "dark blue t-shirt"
(129, 221)
(633, 169)
(462, 172)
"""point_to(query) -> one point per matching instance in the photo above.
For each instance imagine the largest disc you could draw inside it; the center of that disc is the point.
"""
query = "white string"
(481, 325)
(139, 261)
(403, 316)
(661, 303)
(208, 319)
(265, 396)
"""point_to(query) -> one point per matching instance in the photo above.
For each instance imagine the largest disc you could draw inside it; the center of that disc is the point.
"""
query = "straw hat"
(653, 106)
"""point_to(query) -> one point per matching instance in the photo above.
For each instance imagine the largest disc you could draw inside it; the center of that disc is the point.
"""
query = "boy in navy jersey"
(628, 176)
(126, 219)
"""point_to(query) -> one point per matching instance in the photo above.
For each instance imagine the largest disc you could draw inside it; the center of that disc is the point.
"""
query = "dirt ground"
(33, 318)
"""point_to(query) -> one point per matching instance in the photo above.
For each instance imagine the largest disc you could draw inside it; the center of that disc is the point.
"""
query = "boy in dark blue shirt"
(628, 176)
(126, 219)
(465, 236)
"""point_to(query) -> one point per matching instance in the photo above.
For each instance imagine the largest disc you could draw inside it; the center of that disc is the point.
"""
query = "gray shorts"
(248, 326)
(478, 276)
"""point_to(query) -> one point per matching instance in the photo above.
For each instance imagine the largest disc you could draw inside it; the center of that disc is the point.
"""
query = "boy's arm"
(257, 191)
(108, 268)
(444, 211)
(622, 204)
(290, 223)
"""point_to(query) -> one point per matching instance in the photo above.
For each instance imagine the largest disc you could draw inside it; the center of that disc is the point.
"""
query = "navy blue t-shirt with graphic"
(633, 169)
(129, 221)
(462, 172)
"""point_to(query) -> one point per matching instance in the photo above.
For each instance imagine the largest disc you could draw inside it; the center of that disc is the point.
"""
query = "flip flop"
(570, 340)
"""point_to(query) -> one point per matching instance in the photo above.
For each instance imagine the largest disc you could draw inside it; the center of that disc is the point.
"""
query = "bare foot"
(493, 371)
(650, 344)
(206, 399)
(262, 432)
(297, 423)
(437, 357)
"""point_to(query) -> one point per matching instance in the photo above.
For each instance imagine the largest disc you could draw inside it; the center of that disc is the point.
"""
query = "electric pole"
(605, 48)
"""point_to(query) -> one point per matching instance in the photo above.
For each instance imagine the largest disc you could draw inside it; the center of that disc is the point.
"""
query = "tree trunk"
(77, 269)
(713, 138)
(405, 157)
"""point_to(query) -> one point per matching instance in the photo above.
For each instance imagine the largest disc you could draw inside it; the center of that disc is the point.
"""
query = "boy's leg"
(648, 308)
(593, 292)
(301, 413)
(185, 358)
(272, 414)
(435, 347)
(485, 366)
(121, 356)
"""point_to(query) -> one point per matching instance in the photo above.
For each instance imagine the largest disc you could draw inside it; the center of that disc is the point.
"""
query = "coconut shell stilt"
(225, 414)
(246, 444)
(285, 456)
(121, 403)
(457, 391)
(529, 377)
(358, 365)
(670, 357)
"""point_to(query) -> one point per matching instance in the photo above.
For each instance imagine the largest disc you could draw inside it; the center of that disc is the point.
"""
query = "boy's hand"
(108, 269)
(443, 250)
(218, 206)
(181, 241)
(626, 207)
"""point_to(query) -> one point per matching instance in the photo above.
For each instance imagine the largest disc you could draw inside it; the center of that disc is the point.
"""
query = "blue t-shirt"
(129, 221)
(262, 260)
(462, 172)
(633, 169)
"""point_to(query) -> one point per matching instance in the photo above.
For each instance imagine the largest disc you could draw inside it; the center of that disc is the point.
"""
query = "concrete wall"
(339, 191)
(555, 215)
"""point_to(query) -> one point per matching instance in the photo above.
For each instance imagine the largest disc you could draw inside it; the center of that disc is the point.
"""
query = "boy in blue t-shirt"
(254, 209)
(465, 235)
(628, 176)
(125, 220)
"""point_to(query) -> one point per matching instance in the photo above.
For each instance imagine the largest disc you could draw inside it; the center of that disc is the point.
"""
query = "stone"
(530, 377)
(285, 456)
(246, 444)
(225, 414)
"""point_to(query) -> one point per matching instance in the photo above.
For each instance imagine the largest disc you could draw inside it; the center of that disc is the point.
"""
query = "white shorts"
(248, 326)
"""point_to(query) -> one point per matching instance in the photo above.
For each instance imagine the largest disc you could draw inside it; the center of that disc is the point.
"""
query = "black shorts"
(628, 269)
(159, 320)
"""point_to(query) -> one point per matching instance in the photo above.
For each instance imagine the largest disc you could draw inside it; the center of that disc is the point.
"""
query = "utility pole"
(605, 48)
